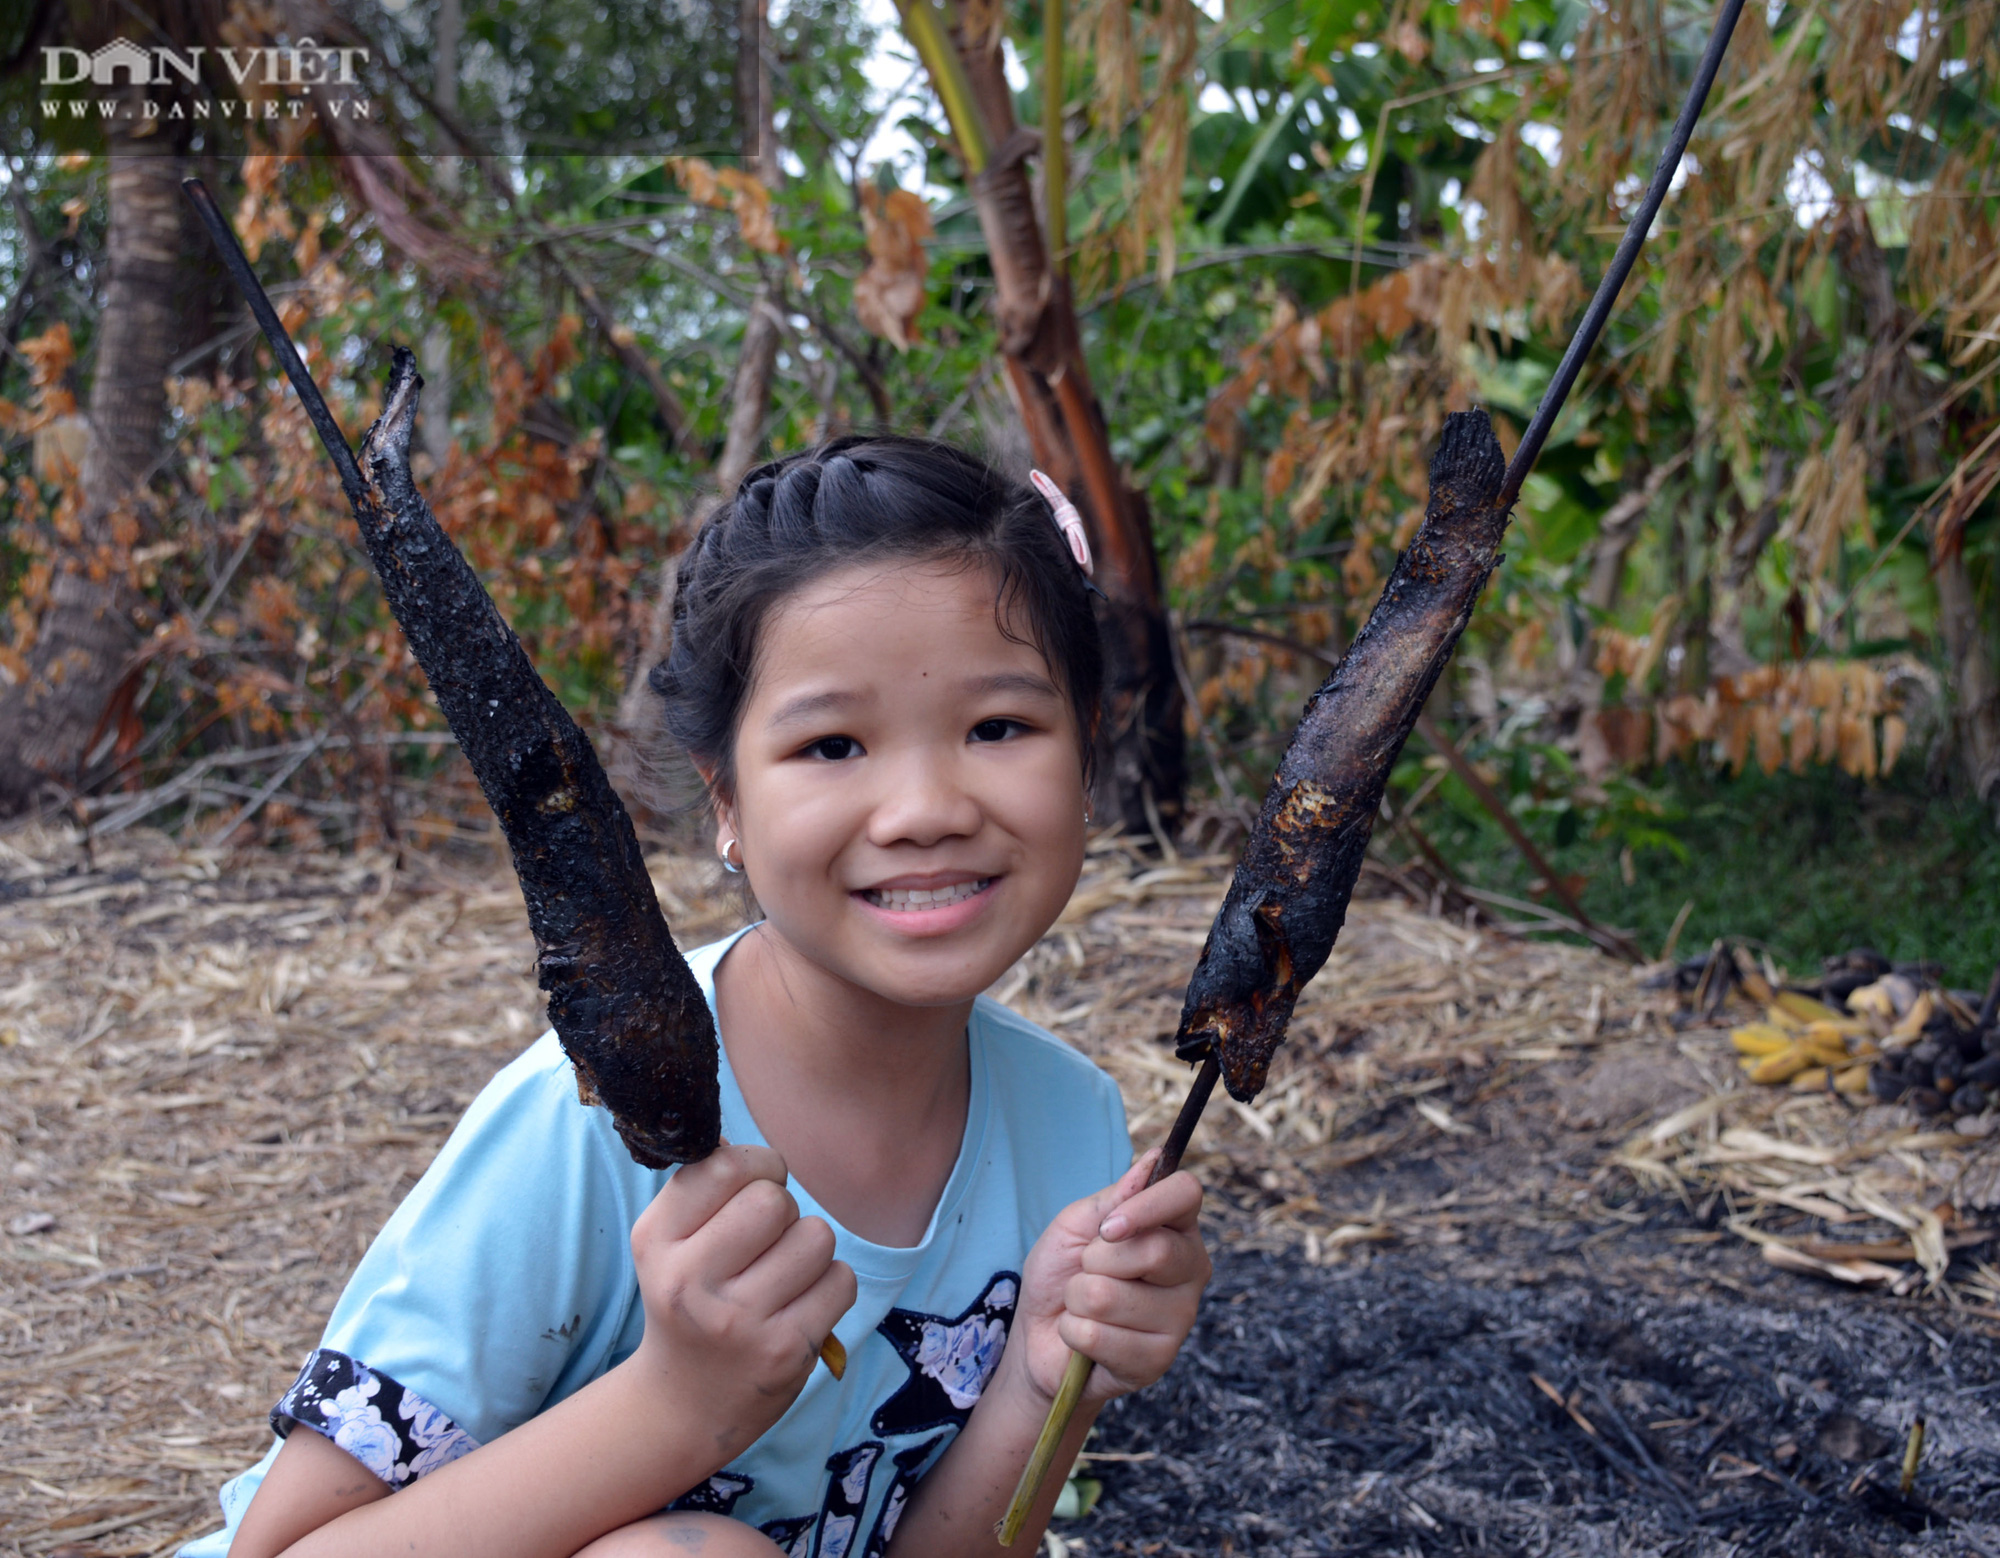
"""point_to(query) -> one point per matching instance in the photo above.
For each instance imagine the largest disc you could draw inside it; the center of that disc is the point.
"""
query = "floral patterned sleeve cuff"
(391, 1430)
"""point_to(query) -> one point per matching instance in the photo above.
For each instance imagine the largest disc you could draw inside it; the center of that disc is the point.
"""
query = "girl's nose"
(922, 802)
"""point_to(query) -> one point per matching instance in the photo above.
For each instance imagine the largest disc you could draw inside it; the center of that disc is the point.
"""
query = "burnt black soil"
(1395, 1408)
(1542, 1360)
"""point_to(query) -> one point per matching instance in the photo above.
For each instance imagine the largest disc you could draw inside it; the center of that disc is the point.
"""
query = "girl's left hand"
(1118, 1277)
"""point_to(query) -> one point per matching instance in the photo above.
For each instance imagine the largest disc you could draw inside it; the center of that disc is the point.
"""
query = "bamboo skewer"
(1289, 896)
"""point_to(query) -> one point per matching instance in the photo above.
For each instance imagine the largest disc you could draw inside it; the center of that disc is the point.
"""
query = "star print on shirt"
(831, 1533)
(910, 1465)
(792, 1537)
(717, 1496)
(950, 1359)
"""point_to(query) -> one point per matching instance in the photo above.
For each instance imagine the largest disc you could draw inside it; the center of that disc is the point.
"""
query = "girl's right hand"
(739, 1291)
(1118, 1277)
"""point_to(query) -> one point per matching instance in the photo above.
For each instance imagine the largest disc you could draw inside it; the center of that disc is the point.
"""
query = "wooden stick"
(237, 263)
(1606, 298)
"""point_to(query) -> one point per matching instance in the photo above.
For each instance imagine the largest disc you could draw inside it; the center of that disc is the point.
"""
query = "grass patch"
(1811, 864)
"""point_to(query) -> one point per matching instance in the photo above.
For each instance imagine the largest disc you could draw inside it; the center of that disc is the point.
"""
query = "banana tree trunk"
(1903, 395)
(47, 720)
(1968, 639)
(1141, 750)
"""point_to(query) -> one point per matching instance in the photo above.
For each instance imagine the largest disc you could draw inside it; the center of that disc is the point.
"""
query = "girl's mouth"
(917, 899)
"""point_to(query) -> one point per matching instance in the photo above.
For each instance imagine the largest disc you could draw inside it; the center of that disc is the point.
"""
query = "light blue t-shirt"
(504, 1283)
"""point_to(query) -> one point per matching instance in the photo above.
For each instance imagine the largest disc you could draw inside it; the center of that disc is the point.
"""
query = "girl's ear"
(725, 813)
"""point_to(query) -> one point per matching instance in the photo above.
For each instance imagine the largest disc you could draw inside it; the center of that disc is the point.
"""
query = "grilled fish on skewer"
(621, 997)
(1289, 896)
(623, 1001)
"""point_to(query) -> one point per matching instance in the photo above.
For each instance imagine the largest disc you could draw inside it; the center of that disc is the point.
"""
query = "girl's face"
(909, 789)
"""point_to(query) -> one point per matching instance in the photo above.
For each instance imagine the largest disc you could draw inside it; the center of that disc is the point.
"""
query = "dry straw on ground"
(1869, 1196)
(218, 1075)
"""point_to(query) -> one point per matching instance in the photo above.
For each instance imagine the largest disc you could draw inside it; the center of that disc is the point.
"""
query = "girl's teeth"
(926, 897)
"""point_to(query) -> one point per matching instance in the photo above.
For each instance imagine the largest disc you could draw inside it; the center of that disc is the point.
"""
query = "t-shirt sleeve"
(502, 1284)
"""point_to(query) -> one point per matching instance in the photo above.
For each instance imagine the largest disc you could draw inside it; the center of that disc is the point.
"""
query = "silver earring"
(733, 867)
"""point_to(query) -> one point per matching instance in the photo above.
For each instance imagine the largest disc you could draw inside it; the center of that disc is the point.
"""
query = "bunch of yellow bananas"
(1803, 1042)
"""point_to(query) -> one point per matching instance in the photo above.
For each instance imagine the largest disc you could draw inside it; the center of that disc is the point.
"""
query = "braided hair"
(866, 499)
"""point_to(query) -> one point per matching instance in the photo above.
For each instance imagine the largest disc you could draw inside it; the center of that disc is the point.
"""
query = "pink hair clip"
(1068, 521)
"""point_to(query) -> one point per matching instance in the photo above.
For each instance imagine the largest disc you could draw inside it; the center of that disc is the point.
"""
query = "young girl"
(886, 668)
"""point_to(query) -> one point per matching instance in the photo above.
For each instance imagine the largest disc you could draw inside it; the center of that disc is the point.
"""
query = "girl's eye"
(995, 729)
(834, 749)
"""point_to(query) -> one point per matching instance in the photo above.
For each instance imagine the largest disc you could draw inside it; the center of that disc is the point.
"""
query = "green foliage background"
(1296, 112)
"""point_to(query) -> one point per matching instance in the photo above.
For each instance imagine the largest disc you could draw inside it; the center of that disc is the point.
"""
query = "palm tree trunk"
(86, 631)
